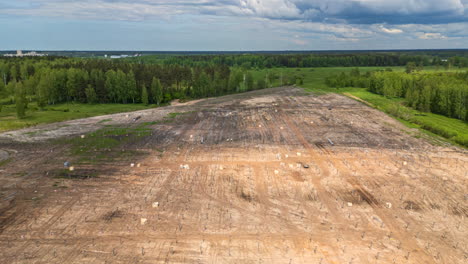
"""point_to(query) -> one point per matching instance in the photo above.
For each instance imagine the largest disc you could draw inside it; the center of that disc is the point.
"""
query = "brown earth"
(271, 176)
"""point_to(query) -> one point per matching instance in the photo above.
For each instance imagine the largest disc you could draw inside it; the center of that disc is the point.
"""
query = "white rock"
(71, 168)
(405, 163)
(388, 205)
(143, 221)
(350, 204)
(259, 125)
(155, 204)
(82, 136)
(276, 172)
(299, 154)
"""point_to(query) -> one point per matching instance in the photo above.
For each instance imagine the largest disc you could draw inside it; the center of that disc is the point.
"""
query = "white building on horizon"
(19, 53)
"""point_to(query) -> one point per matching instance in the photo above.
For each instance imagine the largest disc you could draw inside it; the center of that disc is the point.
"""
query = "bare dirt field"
(271, 176)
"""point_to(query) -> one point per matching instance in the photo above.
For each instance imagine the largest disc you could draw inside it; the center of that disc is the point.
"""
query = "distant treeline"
(57, 80)
(260, 61)
(440, 93)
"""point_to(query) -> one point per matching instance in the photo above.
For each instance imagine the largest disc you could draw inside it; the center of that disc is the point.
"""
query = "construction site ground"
(270, 176)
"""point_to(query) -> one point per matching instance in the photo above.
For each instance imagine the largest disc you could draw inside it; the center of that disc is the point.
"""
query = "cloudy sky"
(232, 24)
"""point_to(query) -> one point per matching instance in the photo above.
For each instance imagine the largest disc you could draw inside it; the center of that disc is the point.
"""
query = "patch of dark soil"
(411, 205)
(113, 214)
(359, 196)
(459, 211)
(80, 174)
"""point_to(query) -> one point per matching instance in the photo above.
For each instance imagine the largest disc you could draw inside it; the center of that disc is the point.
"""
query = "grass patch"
(105, 144)
(5, 162)
(58, 113)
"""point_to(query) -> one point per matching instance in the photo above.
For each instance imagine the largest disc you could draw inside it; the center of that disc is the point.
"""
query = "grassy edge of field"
(434, 138)
(437, 129)
(60, 113)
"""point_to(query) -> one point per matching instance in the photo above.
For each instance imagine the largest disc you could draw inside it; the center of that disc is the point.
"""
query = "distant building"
(20, 53)
(123, 56)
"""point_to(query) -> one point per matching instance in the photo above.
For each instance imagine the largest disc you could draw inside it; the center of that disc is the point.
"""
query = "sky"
(233, 25)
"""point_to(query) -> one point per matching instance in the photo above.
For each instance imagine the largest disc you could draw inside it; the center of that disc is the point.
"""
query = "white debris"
(291, 166)
(350, 204)
(405, 163)
(71, 168)
(445, 178)
(143, 221)
(259, 125)
(221, 167)
(388, 205)
(286, 155)
(82, 136)
(276, 172)
(311, 122)
(299, 154)
(281, 128)
(155, 204)
(132, 165)
(126, 115)
(191, 136)
(185, 166)
(138, 165)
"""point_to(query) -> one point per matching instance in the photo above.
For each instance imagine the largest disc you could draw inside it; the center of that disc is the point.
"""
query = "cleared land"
(271, 176)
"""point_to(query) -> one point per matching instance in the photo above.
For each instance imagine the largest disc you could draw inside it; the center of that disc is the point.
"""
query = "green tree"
(43, 90)
(111, 85)
(91, 96)
(249, 81)
(132, 92)
(20, 100)
(261, 84)
(156, 91)
(410, 67)
(144, 95)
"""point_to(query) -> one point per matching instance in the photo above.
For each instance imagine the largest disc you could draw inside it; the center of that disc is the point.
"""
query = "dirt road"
(271, 176)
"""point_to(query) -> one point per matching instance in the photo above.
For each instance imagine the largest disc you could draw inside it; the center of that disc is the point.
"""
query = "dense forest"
(261, 61)
(158, 80)
(440, 93)
(52, 80)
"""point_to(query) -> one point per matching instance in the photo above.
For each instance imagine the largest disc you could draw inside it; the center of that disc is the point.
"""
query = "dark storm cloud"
(330, 11)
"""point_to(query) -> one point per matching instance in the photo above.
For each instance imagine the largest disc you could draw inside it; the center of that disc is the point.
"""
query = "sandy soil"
(271, 176)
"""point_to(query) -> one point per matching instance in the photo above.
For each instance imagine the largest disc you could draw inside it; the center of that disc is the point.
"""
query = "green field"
(436, 126)
(58, 113)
